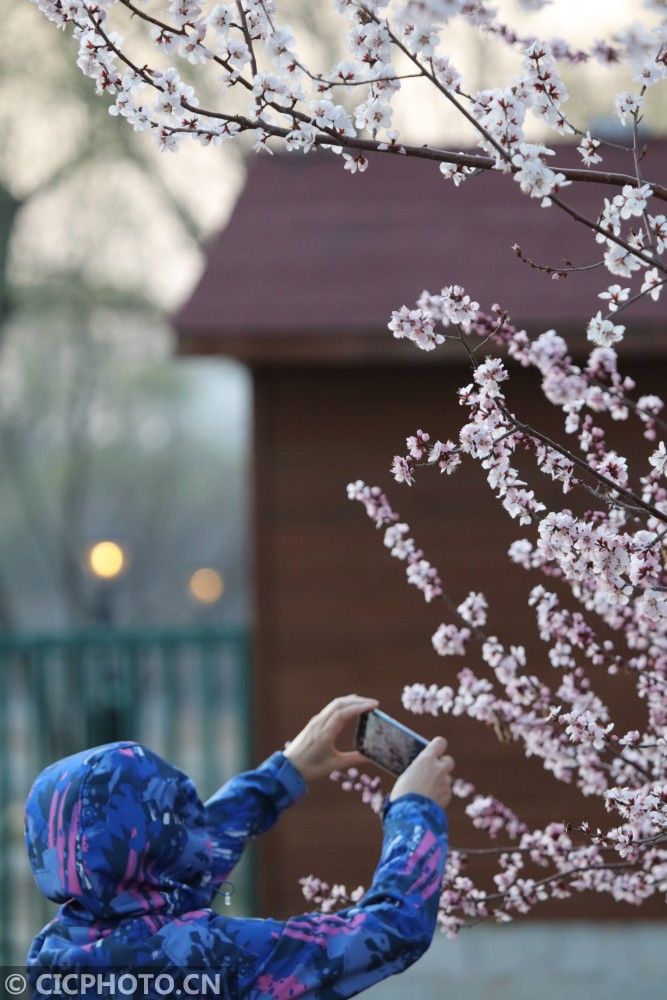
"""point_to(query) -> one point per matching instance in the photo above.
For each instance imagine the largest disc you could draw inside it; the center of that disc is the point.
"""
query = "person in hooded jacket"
(121, 839)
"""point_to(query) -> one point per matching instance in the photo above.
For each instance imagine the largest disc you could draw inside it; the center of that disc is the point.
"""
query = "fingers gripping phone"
(387, 742)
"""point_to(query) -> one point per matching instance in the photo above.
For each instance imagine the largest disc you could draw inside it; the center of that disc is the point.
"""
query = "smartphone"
(387, 742)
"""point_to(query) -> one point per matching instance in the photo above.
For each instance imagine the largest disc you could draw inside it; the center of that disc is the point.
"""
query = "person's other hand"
(429, 774)
(313, 752)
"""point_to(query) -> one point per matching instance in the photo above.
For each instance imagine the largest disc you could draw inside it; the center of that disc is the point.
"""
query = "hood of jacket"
(115, 831)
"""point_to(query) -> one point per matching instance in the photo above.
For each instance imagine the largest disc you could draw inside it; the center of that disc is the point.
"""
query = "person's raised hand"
(314, 752)
(429, 774)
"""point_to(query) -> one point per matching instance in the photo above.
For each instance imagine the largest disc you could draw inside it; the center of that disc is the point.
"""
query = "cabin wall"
(335, 615)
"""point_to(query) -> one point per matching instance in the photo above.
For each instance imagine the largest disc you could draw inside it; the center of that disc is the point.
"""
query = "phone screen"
(387, 742)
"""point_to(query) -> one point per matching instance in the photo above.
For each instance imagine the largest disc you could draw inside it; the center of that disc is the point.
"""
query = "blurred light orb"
(106, 559)
(206, 585)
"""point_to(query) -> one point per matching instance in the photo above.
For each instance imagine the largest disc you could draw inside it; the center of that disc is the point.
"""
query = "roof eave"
(354, 347)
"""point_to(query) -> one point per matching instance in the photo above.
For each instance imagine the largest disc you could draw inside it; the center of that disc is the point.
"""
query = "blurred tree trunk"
(9, 208)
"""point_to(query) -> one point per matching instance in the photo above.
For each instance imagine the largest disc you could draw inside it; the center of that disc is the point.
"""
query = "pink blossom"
(448, 640)
(659, 459)
(473, 609)
(418, 445)
(446, 455)
(415, 325)
(401, 470)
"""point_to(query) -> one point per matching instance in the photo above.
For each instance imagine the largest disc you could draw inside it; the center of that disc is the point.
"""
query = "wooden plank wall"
(335, 614)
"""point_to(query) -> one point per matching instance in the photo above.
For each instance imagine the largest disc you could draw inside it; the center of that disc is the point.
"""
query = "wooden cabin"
(300, 286)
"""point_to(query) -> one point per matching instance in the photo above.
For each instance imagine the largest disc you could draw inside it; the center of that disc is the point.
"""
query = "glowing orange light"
(106, 559)
(206, 585)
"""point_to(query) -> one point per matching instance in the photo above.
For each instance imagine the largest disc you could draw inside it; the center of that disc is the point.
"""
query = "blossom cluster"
(539, 865)
(353, 779)
(267, 91)
(612, 561)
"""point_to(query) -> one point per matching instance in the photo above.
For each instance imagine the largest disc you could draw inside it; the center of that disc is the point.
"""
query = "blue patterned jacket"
(121, 839)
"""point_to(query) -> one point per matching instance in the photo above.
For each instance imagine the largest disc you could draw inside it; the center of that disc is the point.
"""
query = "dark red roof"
(313, 260)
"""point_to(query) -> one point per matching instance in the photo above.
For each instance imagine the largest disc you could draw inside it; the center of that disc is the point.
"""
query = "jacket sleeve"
(320, 956)
(250, 803)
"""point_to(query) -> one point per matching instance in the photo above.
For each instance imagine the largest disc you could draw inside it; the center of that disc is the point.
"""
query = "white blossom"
(415, 325)
(604, 332)
(588, 148)
(659, 459)
(615, 295)
(627, 104)
(632, 201)
(652, 283)
(448, 640)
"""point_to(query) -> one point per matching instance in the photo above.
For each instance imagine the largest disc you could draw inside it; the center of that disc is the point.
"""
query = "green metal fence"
(182, 692)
